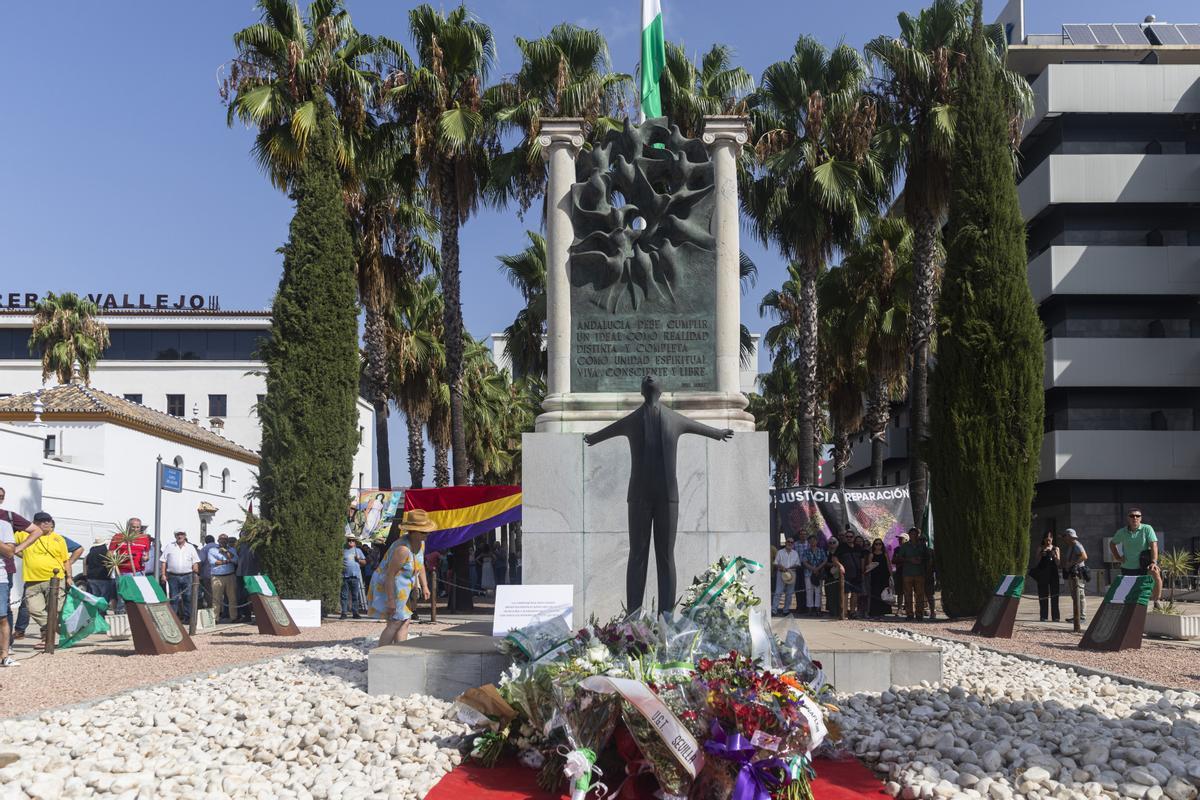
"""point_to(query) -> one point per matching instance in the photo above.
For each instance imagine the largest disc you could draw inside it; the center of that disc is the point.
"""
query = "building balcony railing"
(1138, 363)
(1120, 455)
(1114, 270)
(1114, 89)
(1110, 178)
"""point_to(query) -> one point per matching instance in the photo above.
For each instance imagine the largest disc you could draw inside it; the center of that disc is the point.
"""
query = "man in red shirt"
(135, 552)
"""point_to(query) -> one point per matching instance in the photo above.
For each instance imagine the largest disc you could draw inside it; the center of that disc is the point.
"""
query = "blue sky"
(119, 173)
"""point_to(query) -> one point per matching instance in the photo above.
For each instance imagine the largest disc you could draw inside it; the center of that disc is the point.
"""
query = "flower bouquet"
(721, 603)
(588, 720)
(763, 730)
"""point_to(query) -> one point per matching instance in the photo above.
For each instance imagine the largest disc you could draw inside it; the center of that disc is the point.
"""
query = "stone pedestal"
(156, 630)
(271, 617)
(575, 518)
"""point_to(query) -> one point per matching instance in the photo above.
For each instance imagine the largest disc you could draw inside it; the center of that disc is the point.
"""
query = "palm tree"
(691, 92)
(921, 70)
(442, 93)
(283, 63)
(392, 231)
(842, 367)
(822, 173)
(879, 271)
(565, 73)
(776, 411)
(417, 359)
(526, 271)
(68, 335)
(487, 413)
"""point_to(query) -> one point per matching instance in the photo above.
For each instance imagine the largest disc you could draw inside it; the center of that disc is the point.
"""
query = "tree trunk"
(924, 302)
(453, 321)
(806, 368)
(375, 348)
(383, 453)
(841, 457)
(416, 452)
(878, 417)
(441, 466)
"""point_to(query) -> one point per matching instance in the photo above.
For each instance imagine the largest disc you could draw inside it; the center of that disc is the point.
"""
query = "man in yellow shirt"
(42, 552)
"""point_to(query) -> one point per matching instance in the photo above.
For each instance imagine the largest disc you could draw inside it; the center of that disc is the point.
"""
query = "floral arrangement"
(743, 710)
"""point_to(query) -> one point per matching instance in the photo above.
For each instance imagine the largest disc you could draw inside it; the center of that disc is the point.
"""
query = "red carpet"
(836, 780)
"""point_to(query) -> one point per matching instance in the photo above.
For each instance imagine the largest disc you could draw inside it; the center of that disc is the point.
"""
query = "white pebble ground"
(299, 726)
(999, 726)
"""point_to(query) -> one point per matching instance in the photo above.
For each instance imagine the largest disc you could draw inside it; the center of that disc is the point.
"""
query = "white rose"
(597, 653)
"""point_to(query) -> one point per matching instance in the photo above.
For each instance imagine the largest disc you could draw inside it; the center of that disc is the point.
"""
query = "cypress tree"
(309, 419)
(987, 402)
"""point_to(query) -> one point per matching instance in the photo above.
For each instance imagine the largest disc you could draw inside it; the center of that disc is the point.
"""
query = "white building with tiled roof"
(89, 459)
(189, 363)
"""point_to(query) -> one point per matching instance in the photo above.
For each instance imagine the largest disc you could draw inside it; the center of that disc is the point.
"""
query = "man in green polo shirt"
(910, 560)
(1139, 550)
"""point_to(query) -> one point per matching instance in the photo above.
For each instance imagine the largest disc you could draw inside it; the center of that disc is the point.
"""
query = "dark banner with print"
(880, 512)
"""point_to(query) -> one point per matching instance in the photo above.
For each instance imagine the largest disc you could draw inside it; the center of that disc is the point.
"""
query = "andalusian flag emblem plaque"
(155, 628)
(996, 619)
(1119, 623)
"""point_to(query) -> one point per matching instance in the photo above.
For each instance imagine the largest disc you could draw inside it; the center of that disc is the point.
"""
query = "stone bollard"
(51, 632)
(194, 602)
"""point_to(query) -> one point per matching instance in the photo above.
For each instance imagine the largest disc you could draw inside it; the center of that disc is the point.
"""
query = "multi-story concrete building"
(197, 364)
(1110, 189)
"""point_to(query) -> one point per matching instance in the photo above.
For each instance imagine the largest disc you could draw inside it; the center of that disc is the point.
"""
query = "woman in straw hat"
(400, 568)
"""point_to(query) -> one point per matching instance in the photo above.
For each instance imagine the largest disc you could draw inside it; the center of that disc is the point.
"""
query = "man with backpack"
(1075, 571)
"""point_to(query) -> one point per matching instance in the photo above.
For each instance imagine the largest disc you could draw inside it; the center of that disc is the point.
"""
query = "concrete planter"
(305, 613)
(1173, 626)
(118, 626)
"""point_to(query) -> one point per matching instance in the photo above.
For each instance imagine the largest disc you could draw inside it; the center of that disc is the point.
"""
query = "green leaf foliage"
(308, 416)
(987, 403)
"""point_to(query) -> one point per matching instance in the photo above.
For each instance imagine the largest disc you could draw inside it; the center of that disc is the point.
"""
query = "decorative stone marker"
(996, 619)
(270, 614)
(155, 628)
(1121, 620)
(642, 278)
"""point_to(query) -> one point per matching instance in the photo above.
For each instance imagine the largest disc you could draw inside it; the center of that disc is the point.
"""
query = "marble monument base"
(575, 518)
(587, 412)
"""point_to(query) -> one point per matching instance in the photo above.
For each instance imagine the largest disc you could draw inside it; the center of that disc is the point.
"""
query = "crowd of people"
(44, 554)
(1134, 547)
(823, 576)
(813, 572)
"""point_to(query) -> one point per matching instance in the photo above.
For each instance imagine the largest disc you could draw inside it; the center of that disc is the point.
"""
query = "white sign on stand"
(518, 605)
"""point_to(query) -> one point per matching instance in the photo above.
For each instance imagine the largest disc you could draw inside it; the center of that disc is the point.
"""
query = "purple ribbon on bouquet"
(755, 778)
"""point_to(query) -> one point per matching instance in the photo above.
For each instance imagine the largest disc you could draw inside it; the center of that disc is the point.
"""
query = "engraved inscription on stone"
(991, 611)
(168, 629)
(277, 611)
(643, 263)
(1106, 623)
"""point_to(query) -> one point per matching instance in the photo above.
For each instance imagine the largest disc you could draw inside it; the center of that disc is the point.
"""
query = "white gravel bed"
(301, 726)
(1000, 726)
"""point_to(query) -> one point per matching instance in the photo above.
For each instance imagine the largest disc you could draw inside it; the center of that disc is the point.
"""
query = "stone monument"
(642, 245)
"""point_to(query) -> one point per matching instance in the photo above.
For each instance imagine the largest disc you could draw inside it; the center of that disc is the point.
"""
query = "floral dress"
(379, 592)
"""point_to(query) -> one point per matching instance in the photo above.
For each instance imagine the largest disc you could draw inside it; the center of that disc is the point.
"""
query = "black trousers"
(649, 520)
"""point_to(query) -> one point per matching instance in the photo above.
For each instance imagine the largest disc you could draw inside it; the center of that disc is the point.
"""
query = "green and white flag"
(140, 589)
(654, 59)
(82, 615)
(259, 584)
(1130, 589)
(1011, 586)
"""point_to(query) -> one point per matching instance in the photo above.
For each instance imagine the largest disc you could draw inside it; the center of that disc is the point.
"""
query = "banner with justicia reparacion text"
(878, 512)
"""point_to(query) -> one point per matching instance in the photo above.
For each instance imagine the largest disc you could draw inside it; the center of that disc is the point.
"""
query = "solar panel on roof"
(1133, 34)
(1105, 34)
(1190, 33)
(1167, 34)
(1080, 34)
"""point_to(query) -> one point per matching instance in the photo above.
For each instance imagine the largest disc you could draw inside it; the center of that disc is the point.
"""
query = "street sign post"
(171, 479)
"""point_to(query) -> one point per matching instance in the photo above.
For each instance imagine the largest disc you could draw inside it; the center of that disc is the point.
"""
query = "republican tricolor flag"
(464, 512)
(654, 59)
